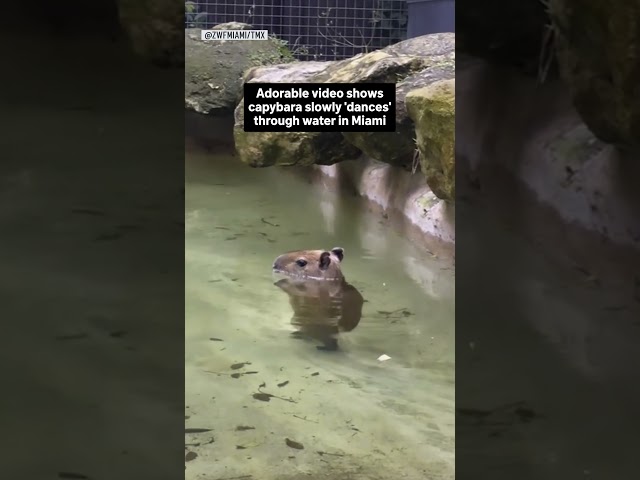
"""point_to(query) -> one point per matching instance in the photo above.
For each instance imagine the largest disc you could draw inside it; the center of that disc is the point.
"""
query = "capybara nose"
(277, 263)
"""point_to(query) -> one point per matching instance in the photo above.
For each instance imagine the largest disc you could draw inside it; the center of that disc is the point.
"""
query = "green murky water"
(354, 416)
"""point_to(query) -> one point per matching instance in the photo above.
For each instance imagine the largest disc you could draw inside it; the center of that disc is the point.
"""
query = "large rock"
(598, 50)
(390, 64)
(154, 28)
(426, 58)
(432, 108)
(214, 69)
(398, 147)
(291, 148)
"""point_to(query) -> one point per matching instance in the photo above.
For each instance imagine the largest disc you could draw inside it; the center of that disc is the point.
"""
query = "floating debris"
(384, 357)
(263, 397)
(305, 419)
(293, 444)
(239, 374)
(283, 384)
(198, 444)
(266, 397)
(321, 453)
(243, 428)
(237, 366)
(501, 414)
(399, 313)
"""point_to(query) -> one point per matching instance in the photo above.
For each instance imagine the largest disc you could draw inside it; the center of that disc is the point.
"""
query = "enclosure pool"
(264, 404)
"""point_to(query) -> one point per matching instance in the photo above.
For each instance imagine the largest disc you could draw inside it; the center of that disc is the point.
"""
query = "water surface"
(355, 416)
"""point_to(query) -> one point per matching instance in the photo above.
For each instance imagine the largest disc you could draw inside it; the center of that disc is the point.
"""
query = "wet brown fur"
(323, 303)
(311, 264)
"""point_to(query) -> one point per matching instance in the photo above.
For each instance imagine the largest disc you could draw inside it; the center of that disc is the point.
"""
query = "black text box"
(319, 107)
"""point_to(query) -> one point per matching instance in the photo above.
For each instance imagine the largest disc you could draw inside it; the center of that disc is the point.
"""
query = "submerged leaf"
(293, 444)
(263, 397)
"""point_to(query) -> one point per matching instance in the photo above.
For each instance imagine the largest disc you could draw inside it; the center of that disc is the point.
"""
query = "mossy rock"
(214, 69)
(391, 64)
(432, 108)
(412, 63)
(397, 148)
(266, 149)
(598, 50)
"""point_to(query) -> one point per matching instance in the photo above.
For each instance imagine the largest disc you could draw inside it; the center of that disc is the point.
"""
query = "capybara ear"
(338, 252)
(325, 260)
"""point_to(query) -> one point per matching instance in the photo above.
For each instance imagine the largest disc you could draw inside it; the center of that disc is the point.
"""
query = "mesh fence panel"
(313, 29)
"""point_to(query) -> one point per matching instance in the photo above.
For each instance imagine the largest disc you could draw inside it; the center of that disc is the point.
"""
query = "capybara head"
(311, 264)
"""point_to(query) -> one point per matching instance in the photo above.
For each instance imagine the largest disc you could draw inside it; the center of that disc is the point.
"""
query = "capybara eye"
(301, 262)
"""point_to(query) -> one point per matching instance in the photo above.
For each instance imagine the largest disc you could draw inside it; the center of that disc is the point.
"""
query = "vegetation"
(193, 17)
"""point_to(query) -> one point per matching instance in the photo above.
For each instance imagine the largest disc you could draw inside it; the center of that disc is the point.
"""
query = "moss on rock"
(413, 63)
(397, 148)
(432, 108)
(214, 69)
(266, 149)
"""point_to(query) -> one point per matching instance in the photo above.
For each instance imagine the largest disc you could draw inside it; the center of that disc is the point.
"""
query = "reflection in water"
(322, 309)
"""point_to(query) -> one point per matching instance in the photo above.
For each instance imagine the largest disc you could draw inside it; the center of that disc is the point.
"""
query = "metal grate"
(313, 29)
